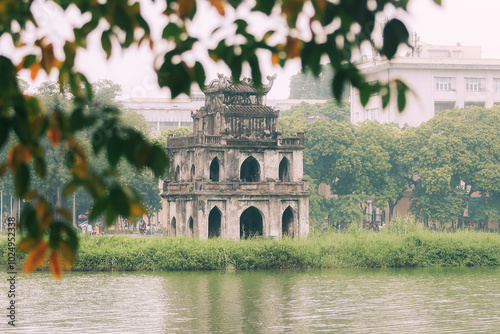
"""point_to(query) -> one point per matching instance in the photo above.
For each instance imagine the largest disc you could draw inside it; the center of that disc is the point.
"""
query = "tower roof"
(225, 84)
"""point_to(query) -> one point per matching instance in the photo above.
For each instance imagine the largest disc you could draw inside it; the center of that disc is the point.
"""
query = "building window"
(356, 117)
(440, 106)
(444, 84)
(474, 84)
(497, 85)
(438, 53)
(372, 114)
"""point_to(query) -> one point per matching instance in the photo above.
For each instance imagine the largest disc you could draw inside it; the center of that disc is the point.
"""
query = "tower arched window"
(193, 172)
(214, 170)
(250, 170)
(214, 223)
(251, 223)
(284, 170)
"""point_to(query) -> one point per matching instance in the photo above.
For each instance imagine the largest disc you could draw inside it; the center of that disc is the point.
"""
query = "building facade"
(440, 78)
(236, 176)
(163, 113)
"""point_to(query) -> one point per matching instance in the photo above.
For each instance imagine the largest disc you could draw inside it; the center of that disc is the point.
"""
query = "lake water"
(431, 300)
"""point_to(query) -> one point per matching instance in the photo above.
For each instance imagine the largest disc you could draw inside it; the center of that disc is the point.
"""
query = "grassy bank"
(399, 246)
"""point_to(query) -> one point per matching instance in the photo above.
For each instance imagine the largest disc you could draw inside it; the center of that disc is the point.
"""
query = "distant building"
(163, 113)
(440, 77)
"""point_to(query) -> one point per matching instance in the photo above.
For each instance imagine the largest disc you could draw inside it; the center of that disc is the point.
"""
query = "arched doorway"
(284, 170)
(250, 170)
(190, 226)
(287, 222)
(251, 223)
(193, 172)
(173, 226)
(214, 223)
(214, 170)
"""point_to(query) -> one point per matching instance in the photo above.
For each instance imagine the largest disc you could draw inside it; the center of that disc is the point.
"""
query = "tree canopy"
(307, 86)
(454, 160)
(333, 29)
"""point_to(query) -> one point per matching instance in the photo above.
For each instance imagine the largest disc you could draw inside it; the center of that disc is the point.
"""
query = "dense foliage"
(450, 163)
(455, 158)
(402, 244)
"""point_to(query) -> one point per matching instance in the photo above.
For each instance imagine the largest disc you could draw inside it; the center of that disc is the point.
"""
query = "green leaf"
(71, 237)
(111, 217)
(98, 140)
(40, 167)
(29, 60)
(200, 76)
(158, 161)
(172, 31)
(311, 56)
(402, 89)
(386, 97)
(106, 43)
(365, 93)
(255, 70)
(55, 234)
(264, 6)
(21, 126)
(4, 130)
(76, 120)
(395, 33)
(338, 84)
(22, 180)
(114, 149)
(98, 209)
(175, 77)
(119, 201)
(29, 222)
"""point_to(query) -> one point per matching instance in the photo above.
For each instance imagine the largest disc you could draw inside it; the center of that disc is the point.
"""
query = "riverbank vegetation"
(402, 244)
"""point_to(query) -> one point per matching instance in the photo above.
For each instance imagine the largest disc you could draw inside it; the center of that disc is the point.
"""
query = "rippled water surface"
(442, 300)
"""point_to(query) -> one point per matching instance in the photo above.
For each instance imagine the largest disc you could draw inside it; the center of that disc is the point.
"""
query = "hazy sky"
(470, 22)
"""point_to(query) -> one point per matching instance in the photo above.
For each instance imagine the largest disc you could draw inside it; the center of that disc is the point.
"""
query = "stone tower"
(236, 176)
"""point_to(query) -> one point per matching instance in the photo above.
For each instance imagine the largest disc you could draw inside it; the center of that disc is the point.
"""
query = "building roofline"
(431, 63)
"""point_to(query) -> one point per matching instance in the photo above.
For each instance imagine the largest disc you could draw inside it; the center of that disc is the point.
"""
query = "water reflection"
(443, 300)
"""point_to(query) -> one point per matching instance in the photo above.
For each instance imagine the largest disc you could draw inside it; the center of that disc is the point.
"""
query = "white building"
(164, 113)
(440, 78)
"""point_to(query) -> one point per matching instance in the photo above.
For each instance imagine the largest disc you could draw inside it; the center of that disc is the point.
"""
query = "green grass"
(402, 244)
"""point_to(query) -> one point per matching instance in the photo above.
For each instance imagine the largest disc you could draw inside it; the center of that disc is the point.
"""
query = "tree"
(454, 156)
(348, 209)
(326, 144)
(291, 125)
(387, 172)
(163, 137)
(358, 159)
(306, 86)
(121, 25)
(319, 206)
(333, 110)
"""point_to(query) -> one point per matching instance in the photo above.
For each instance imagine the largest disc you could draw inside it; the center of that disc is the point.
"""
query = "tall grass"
(401, 244)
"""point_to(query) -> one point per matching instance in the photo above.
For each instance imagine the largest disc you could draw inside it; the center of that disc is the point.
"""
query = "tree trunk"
(392, 206)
